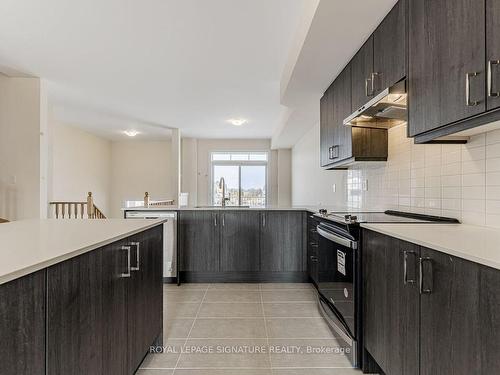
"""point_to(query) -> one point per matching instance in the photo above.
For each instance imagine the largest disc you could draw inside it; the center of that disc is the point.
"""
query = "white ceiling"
(151, 64)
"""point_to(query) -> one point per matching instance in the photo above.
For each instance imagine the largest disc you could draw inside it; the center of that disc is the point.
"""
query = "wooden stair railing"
(77, 210)
(149, 203)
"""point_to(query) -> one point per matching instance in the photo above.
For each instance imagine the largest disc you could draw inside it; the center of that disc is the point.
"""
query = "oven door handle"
(337, 239)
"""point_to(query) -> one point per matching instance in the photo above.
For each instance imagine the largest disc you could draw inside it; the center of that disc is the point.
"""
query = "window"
(245, 174)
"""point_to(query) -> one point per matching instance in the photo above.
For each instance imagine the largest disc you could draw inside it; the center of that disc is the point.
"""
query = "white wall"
(20, 158)
(81, 162)
(311, 185)
(136, 167)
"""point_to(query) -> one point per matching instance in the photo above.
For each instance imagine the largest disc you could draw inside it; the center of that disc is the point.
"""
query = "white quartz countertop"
(27, 246)
(474, 243)
(209, 208)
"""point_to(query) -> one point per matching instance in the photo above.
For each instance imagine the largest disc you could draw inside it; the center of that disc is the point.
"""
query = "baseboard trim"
(170, 280)
(243, 277)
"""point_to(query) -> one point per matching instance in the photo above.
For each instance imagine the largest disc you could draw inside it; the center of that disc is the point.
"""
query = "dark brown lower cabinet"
(460, 316)
(114, 299)
(22, 325)
(75, 318)
(446, 322)
(391, 305)
(144, 296)
(102, 315)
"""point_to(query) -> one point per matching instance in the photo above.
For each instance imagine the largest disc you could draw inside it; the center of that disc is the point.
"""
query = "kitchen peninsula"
(73, 295)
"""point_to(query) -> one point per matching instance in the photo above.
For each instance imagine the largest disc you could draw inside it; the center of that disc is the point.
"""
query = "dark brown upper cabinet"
(446, 77)
(493, 53)
(362, 74)
(326, 126)
(389, 49)
(342, 145)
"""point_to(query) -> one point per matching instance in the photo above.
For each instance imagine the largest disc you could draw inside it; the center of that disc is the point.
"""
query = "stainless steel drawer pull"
(405, 267)
(422, 261)
(126, 274)
(137, 256)
(468, 101)
(490, 78)
(314, 259)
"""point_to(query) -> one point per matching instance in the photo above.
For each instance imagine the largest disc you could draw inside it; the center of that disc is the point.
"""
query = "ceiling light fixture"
(237, 121)
(131, 133)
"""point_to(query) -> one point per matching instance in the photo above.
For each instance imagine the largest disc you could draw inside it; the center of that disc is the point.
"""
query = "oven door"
(336, 277)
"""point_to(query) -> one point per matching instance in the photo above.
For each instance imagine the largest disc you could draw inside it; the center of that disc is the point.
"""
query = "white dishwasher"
(169, 237)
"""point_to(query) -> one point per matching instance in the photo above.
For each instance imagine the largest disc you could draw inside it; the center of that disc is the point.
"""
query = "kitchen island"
(79, 297)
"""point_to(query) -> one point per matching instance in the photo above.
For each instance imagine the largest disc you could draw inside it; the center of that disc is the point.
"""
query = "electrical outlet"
(169, 266)
(364, 185)
(334, 188)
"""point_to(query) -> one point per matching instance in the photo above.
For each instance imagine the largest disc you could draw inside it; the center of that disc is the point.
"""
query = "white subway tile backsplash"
(474, 205)
(475, 179)
(474, 166)
(493, 179)
(493, 151)
(451, 192)
(473, 192)
(477, 153)
(453, 180)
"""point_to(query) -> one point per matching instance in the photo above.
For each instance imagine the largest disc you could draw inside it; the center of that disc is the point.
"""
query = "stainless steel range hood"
(385, 110)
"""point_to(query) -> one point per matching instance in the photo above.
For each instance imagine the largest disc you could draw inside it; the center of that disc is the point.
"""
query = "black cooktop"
(384, 217)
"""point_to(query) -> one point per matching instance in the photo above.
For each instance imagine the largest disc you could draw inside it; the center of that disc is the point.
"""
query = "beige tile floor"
(243, 329)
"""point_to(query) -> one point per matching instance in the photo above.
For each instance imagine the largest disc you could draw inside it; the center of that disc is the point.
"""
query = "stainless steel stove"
(339, 263)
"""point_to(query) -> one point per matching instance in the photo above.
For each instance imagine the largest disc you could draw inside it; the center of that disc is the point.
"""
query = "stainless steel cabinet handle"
(126, 274)
(137, 256)
(367, 84)
(223, 220)
(312, 244)
(333, 152)
(405, 267)
(468, 101)
(313, 258)
(490, 79)
(374, 75)
(263, 219)
(215, 220)
(422, 261)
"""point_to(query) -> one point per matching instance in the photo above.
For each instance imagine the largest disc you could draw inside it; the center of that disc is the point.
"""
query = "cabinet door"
(441, 55)
(459, 316)
(199, 241)
(389, 48)
(153, 259)
(326, 127)
(361, 71)
(391, 305)
(282, 241)
(342, 136)
(114, 287)
(493, 52)
(312, 249)
(144, 294)
(22, 325)
(74, 316)
(240, 241)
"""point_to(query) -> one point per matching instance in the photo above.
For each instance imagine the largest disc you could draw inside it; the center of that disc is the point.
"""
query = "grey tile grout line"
(192, 325)
(265, 328)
